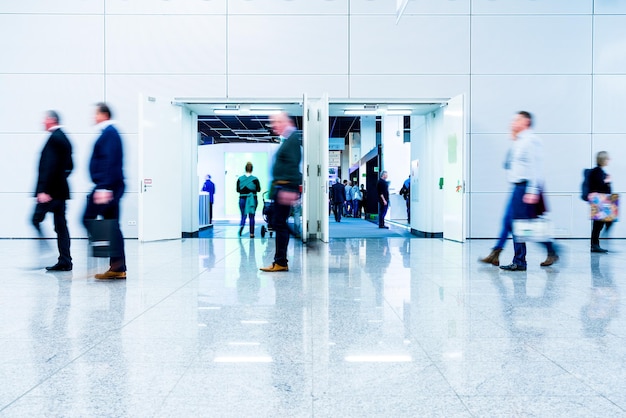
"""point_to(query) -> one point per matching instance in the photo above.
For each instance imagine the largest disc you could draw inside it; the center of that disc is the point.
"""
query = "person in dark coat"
(382, 188)
(52, 190)
(599, 182)
(339, 198)
(106, 169)
(286, 182)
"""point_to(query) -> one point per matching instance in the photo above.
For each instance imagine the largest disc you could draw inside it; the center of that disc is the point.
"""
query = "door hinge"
(308, 114)
(319, 115)
(307, 170)
(319, 226)
(319, 170)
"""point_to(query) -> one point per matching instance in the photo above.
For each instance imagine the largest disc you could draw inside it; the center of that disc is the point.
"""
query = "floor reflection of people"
(519, 299)
(207, 253)
(49, 329)
(285, 344)
(248, 283)
(603, 298)
(377, 259)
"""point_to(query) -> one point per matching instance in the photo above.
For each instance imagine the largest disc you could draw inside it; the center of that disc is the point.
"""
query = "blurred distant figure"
(354, 191)
(286, 181)
(248, 186)
(363, 203)
(348, 203)
(106, 169)
(52, 190)
(382, 189)
(405, 192)
(209, 187)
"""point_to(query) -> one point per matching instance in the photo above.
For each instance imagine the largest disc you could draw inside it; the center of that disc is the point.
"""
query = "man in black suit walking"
(106, 170)
(52, 190)
(339, 198)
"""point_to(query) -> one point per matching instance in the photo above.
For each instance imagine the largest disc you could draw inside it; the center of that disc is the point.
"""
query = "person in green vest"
(248, 186)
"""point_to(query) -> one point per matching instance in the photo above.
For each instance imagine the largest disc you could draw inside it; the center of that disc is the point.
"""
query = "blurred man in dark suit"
(106, 170)
(52, 189)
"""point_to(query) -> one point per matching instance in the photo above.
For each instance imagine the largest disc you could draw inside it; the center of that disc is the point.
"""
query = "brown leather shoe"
(111, 275)
(275, 267)
(493, 257)
(550, 260)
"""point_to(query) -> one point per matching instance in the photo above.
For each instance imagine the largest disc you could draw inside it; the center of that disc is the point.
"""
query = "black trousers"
(596, 229)
(57, 207)
(338, 208)
(110, 210)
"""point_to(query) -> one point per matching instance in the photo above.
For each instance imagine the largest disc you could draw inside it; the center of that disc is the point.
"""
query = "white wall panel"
(486, 212)
(569, 214)
(51, 44)
(609, 7)
(550, 44)
(532, 6)
(416, 45)
(288, 45)
(292, 7)
(169, 7)
(488, 153)
(413, 7)
(609, 44)
(50, 7)
(408, 86)
(20, 173)
(173, 44)
(24, 98)
(564, 175)
(609, 96)
(123, 92)
(287, 86)
(487, 157)
(560, 104)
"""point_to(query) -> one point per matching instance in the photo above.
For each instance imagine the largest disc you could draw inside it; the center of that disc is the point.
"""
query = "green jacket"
(286, 169)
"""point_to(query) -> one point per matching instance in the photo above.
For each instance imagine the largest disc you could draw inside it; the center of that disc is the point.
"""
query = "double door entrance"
(168, 150)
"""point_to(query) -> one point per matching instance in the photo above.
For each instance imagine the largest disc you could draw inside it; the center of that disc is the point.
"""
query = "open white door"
(316, 167)
(160, 162)
(454, 170)
(323, 198)
(305, 168)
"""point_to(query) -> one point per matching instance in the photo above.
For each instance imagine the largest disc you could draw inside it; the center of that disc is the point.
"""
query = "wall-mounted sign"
(334, 158)
(336, 144)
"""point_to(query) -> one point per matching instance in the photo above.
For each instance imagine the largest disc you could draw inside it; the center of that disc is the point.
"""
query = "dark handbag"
(103, 240)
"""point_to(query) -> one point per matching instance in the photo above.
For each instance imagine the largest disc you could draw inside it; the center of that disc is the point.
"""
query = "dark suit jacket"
(55, 166)
(596, 181)
(382, 187)
(106, 162)
(339, 193)
(286, 168)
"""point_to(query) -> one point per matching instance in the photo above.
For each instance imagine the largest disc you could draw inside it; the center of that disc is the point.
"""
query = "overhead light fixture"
(226, 111)
(356, 112)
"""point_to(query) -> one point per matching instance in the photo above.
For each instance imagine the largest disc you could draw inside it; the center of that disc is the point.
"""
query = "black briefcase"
(103, 240)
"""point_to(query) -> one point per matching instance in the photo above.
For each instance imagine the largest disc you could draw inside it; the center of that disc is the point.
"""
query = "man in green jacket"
(286, 181)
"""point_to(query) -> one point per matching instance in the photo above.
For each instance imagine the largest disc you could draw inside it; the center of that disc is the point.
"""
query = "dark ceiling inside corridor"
(228, 129)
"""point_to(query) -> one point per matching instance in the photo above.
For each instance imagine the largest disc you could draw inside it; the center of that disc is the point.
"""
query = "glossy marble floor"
(376, 327)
